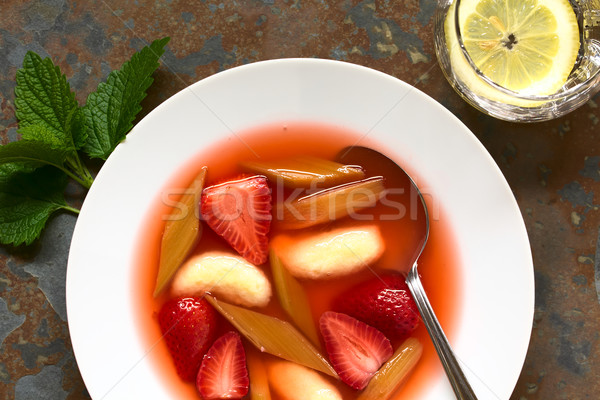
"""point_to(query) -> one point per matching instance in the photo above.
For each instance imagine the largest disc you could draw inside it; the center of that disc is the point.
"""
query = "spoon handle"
(460, 384)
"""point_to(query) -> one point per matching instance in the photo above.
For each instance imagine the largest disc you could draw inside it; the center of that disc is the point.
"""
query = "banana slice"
(331, 254)
(292, 381)
(227, 276)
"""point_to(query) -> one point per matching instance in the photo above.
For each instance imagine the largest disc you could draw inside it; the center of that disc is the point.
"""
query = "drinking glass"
(497, 101)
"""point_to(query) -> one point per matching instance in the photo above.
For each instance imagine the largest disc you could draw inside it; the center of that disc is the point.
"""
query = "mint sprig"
(55, 131)
(110, 110)
(43, 97)
(27, 199)
(49, 114)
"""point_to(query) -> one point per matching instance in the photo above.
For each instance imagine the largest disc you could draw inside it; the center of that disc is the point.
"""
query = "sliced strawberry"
(223, 374)
(356, 350)
(188, 326)
(384, 302)
(240, 211)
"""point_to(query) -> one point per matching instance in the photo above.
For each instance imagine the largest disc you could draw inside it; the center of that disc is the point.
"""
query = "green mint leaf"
(44, 98)
(76, 123)
(32, 154)
(39, 133)
(27, 199)
(39, 146)
(110, 110)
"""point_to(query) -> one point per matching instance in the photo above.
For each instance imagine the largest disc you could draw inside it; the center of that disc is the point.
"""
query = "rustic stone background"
(553, 168)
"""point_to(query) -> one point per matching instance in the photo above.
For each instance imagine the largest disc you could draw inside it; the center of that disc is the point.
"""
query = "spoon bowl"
(402, 189)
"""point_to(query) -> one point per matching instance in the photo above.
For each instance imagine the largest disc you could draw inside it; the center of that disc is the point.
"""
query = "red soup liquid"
(438, 264)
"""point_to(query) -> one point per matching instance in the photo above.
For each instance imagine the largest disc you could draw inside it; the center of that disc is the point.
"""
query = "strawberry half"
(356, 350)
(240, 211)
(188, 326)
(384, 302)
(223, 374)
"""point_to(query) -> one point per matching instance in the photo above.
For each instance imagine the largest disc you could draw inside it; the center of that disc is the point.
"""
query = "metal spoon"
(378, 164)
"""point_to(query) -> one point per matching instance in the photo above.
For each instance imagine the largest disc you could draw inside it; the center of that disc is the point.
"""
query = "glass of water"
(493, 56)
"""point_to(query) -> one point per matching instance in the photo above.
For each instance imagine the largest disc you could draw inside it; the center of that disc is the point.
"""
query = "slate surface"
(553, 168)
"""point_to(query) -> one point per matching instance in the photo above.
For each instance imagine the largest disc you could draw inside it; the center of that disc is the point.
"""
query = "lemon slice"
(527, 46)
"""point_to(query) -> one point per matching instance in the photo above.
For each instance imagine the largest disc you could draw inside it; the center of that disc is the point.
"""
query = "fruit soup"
(329, 298)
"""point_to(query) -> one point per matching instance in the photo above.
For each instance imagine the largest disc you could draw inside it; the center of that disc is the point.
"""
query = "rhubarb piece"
(181, 232)
(188, 326)
(293, 299)
(291, 381)
(259, 381)
(391, 375)
(306, 172)
(226, 275)
(223, 373)
(274, 336)
(240, 212)
(330, 254)
(384, 302)
(329, 204)
(356, 350)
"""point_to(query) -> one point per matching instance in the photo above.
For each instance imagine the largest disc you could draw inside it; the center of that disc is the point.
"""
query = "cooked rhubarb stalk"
(259, 381)
(329, 204)
(291, 381)
(391, 374)
(306, 172)
(273, 336)
(293, 300)
(181, 233)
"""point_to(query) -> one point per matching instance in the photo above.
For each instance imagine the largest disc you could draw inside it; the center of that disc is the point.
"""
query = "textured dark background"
(553, 168)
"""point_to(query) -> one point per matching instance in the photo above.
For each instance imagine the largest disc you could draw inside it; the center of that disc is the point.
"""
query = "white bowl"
(495, 316)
